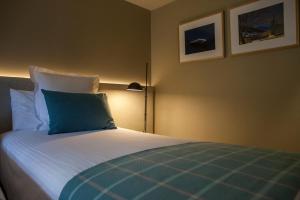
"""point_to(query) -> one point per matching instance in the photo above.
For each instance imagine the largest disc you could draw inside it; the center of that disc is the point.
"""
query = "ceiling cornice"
(150, 4)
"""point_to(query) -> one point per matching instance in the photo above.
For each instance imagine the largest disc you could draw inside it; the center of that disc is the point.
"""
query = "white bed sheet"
(51, 161)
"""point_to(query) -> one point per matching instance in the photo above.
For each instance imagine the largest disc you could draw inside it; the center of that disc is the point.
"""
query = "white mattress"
(51, 161)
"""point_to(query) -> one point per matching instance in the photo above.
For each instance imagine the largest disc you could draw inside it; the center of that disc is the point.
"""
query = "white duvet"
(53, 160)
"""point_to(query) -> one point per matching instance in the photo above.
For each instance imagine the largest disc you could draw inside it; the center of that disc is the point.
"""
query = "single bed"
(162, 167)
(51, 161)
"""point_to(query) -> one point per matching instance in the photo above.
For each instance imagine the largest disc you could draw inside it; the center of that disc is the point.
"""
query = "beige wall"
(127, 107)
(250, 99)
(107, 37)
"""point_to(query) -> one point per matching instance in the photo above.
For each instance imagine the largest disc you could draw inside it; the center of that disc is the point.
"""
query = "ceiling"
(150, 4)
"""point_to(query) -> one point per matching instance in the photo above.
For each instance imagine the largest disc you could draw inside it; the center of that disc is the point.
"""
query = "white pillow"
(61, 82)
(23, 110)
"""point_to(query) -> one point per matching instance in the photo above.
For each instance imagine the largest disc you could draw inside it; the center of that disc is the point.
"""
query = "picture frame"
(202, 39)
(262, 25)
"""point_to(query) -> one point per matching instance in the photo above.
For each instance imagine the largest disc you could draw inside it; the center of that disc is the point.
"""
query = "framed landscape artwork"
(262, 25)
(202, 39)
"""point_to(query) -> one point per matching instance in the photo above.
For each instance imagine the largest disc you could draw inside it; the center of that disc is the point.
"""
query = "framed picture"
(202, 39)
(264, 24)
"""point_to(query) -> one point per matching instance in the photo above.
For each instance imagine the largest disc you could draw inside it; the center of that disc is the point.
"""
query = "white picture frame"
(202, 39)
(252, 29)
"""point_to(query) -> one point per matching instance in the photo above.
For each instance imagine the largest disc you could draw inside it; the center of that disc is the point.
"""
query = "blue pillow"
(73, 112)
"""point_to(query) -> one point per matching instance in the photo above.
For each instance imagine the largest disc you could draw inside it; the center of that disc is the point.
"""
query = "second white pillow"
(54, 81)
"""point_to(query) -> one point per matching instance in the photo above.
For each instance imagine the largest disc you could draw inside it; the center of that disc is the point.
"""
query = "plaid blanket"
(206, 171)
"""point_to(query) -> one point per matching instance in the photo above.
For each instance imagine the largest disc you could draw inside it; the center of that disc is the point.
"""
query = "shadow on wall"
(249, 100)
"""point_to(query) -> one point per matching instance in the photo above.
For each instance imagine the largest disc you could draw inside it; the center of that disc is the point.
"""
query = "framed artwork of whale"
(202, 39)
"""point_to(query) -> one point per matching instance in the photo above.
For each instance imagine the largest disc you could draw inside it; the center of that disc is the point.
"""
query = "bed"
(127, 164)
(51, 161)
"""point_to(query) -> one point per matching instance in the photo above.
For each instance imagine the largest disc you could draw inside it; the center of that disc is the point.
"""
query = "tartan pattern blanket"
(202, 170)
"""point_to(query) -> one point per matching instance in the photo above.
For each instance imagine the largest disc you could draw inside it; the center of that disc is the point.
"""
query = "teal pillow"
(73, 112)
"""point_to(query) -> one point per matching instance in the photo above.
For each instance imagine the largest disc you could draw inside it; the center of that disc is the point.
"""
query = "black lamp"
(138, 88)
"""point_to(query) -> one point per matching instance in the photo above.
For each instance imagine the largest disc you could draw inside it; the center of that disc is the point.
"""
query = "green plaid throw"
(206, 171)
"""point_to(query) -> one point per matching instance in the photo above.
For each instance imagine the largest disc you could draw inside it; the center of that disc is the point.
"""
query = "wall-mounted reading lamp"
(136, 87)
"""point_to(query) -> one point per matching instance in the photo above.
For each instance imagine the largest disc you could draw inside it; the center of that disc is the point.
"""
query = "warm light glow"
(27, 76)
(10, 72)
(14, 75)
(127, 108)
(134, 90)
(106, 82)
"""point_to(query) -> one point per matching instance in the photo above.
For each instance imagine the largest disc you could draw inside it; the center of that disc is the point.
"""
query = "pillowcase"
(54, 81)
(73, 112)
(23, 110)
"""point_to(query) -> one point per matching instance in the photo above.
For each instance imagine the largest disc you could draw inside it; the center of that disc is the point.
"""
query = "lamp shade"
(135, 87)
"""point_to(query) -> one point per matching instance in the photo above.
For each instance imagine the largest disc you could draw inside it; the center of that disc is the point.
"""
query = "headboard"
(127, 107)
